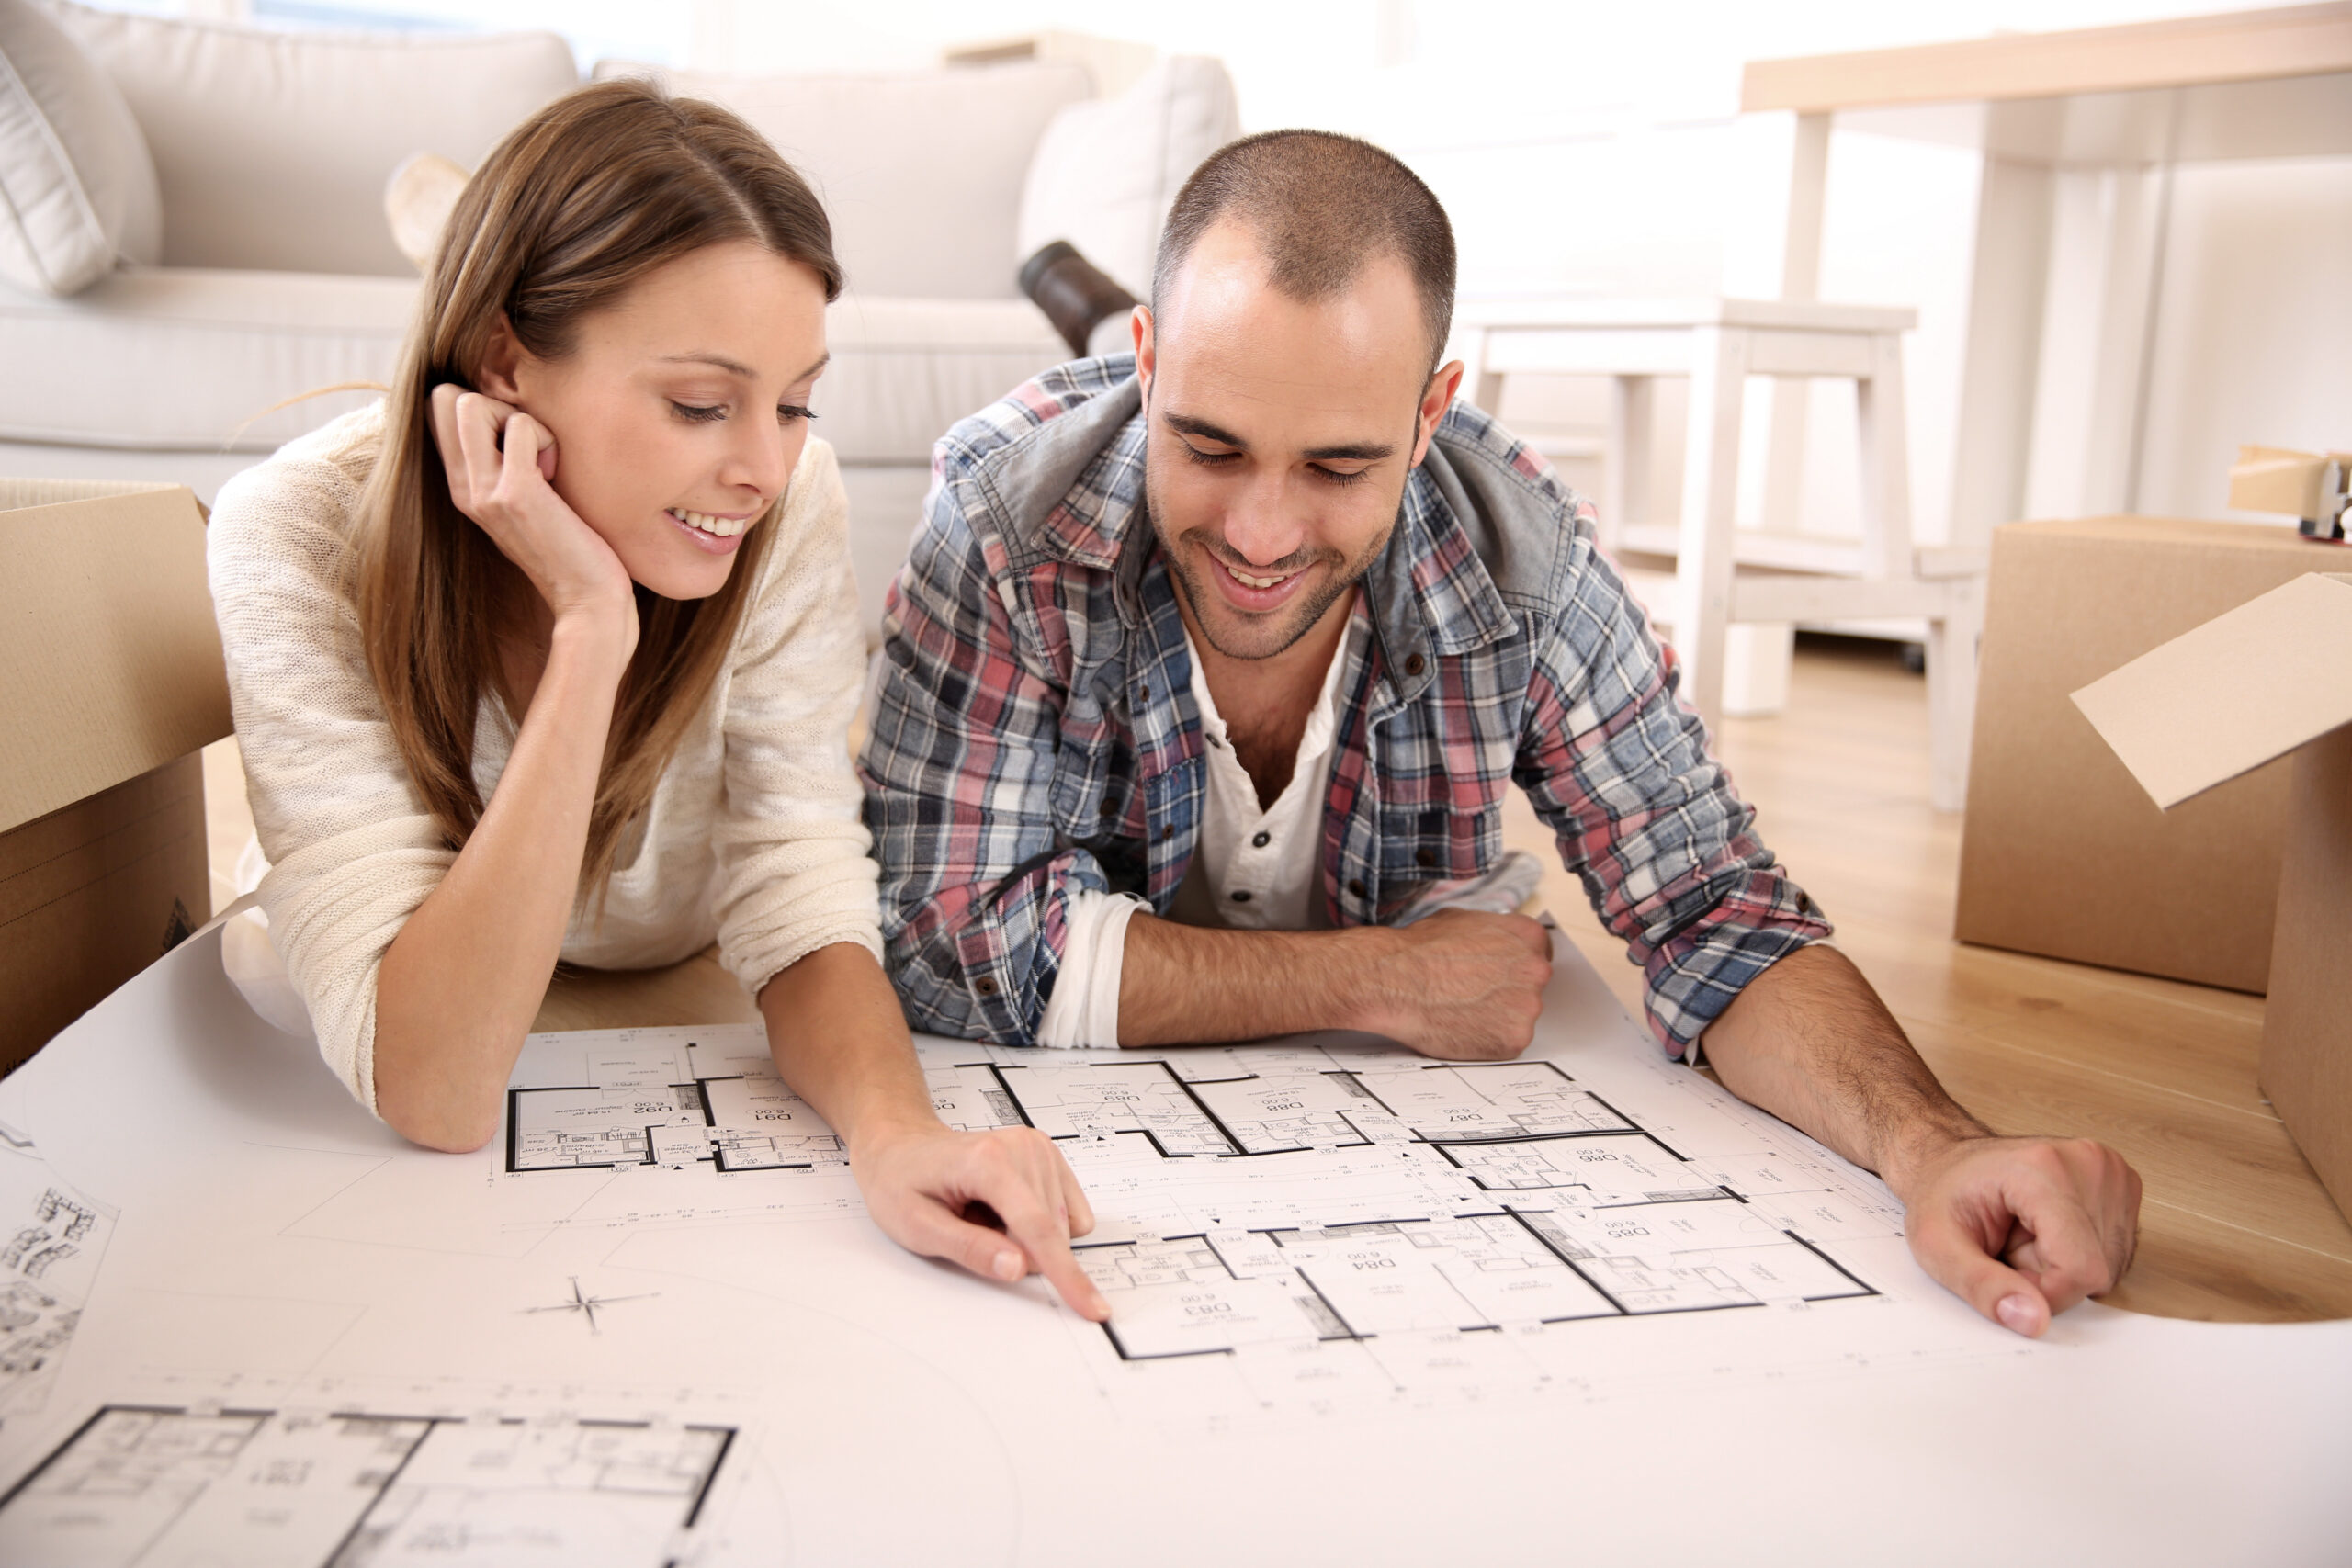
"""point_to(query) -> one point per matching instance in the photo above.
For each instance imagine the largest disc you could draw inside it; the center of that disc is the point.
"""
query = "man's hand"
(941, 1193)
(1463, 985)
(2023, 1228)
(2019, 1228)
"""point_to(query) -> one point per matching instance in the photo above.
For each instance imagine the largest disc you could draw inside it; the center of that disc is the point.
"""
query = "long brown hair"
(585, 198)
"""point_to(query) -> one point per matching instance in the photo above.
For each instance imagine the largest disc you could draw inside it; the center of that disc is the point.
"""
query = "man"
(1208, 673)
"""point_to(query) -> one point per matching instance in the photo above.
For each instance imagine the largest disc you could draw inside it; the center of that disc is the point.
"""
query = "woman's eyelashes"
(704, 413)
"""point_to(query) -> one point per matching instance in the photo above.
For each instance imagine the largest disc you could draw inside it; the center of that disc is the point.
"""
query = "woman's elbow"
(447, 1121)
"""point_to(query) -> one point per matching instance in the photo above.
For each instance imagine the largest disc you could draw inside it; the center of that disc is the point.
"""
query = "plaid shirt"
(1033, 732)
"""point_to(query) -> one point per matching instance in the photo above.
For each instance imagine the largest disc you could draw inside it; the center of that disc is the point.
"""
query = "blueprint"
(352, 1488)
(1366, 1307)
(1336, 1210)
(52, 1237)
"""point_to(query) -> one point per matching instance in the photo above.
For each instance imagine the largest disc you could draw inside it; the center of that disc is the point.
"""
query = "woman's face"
(681, 408)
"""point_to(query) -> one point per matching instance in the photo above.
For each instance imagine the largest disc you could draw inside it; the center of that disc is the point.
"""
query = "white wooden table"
(2080, 132)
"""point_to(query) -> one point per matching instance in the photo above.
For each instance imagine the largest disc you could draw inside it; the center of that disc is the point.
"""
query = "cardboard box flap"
(106, 633)
(2227, 697)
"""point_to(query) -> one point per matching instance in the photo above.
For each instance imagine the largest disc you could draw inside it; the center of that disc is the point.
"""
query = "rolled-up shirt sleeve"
(1650, 823)
(794, 871)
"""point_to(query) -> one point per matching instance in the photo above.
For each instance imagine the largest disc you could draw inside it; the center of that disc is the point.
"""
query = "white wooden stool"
(1722, 574)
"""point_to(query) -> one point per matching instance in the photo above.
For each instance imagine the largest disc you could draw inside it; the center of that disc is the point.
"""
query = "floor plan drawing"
(1300, 1200)
(671, 1103)
(51, 1238)
(358, 1489)
(1367, 1307)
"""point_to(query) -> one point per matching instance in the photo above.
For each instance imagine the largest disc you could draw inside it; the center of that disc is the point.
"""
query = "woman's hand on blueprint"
(1001, 1203)
(2023, 1228)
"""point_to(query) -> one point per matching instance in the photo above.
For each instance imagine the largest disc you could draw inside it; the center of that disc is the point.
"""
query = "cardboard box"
(114, 682)
(2270, 679)
(2060, 852)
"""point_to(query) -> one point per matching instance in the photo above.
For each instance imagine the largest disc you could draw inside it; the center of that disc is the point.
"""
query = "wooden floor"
(2234, 1226)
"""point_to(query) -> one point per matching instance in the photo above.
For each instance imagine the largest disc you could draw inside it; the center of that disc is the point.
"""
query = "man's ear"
(1436, 397)
(1139, 327)
(501, 362)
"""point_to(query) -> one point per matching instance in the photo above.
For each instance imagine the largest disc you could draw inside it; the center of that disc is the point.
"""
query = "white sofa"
(276, 273)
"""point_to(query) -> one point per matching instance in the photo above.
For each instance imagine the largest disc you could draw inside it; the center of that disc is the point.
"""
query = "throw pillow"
(1106, 171)
(77, 187)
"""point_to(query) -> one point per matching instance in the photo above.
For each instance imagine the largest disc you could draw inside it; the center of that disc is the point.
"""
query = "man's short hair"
(1320, 206)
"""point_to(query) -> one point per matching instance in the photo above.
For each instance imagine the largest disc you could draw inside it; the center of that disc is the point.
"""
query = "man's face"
(1279, 436)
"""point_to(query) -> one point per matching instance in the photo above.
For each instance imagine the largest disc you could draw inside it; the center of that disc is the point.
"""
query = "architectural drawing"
(673, 1104)
(358, 1489)
(1296, 1196)
(52, 1237)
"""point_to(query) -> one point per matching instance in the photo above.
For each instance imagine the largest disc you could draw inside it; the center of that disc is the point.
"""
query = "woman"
(552, 655)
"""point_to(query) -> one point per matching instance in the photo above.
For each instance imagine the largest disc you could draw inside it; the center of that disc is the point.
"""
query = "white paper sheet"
(1476, 1374)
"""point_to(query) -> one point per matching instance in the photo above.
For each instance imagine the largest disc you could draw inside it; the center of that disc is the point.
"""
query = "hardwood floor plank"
(2191, 1265)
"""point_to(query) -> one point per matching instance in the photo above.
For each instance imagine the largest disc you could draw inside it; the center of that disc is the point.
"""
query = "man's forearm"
(1192, 985)
(1810, 1041)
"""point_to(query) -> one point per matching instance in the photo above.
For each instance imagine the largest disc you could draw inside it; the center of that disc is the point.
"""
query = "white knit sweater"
(753, 836)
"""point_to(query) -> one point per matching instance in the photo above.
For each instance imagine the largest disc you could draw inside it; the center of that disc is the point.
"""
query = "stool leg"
(1626, 493)
(1951, 692)
(1886, 464)
(1703, 565)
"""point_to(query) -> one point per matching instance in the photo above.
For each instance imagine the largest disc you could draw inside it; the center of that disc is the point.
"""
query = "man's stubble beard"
(1309, 612)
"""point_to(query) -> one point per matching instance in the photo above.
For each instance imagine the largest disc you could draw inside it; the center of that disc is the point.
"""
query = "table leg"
(2008, 283)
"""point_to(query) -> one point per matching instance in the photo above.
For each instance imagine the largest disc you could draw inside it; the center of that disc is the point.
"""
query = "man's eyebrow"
(1185, 424)
(1347, 452)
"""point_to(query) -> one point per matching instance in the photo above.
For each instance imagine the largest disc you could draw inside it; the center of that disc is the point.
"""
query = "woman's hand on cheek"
(500, 462)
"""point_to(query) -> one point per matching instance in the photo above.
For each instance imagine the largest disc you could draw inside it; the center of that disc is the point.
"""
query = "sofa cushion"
(1106, 172)
(193, 359)
(919, 170)
(77, 189)
(273, 148)
(186, 358)
(904, 370)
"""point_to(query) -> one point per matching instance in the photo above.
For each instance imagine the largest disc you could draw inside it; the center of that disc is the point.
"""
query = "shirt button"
(1413, 664)
(1110, 806)
(1143, 694)
(1167, 831)
(1241, 895)
(985, 986)
(1260, 840)
(1355, 885)
(1425, 857)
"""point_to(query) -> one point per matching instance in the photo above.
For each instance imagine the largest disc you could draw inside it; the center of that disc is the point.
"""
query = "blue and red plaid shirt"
(1034, 733)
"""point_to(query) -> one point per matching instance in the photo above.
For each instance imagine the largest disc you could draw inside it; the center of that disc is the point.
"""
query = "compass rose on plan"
(587, 1306)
